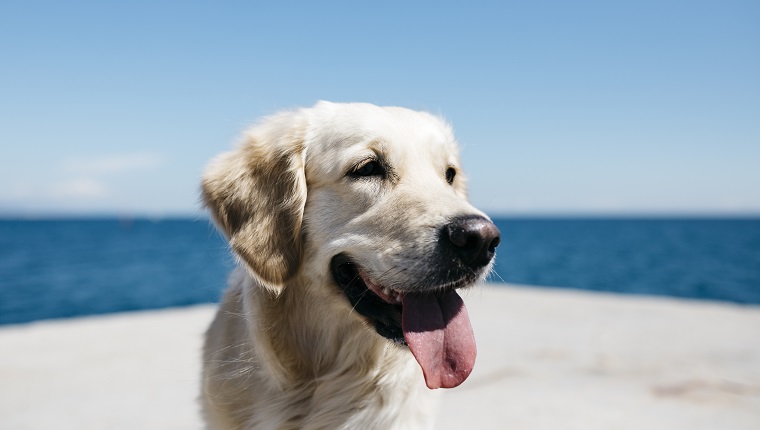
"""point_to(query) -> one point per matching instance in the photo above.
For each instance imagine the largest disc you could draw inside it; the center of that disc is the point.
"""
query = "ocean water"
(66, 268)
(712, 259)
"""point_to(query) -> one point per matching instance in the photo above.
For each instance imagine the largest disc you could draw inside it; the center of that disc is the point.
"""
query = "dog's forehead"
(345, 133)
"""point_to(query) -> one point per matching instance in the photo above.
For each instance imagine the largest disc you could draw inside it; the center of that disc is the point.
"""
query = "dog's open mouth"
(434, 325)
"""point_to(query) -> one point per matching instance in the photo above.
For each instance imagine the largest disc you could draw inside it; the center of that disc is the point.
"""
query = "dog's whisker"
(357, 301)
(493, 271)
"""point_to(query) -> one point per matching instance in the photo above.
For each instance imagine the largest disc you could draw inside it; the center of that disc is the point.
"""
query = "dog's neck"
(300, 367)
(304, 346)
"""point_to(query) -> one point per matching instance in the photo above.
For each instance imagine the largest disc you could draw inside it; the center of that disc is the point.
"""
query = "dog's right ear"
(257, 194)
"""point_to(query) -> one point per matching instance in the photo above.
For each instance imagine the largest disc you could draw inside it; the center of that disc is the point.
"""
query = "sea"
(73, 267)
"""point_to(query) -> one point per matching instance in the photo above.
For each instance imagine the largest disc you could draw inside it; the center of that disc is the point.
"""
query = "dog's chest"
(398, 401)
(377, 410)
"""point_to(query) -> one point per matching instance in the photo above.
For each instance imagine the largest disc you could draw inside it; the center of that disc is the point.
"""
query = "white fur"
(286, 350)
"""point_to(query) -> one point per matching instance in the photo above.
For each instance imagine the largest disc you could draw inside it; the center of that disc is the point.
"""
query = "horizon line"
(203, 215)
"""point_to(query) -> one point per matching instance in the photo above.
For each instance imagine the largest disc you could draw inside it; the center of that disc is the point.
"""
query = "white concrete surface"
(547, 359)
(558, 359)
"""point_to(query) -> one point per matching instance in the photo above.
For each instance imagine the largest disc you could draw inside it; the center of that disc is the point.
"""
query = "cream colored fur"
(286, 350)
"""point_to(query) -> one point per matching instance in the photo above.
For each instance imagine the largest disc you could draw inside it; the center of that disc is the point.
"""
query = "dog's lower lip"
(382, 314)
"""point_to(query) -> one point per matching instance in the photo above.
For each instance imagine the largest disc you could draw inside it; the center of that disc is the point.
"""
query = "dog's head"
(370, 203)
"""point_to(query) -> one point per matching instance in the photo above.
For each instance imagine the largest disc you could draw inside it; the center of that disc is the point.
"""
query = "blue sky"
(646, 107)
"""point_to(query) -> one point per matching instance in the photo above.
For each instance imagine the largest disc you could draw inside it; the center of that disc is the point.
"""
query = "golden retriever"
(353, 232)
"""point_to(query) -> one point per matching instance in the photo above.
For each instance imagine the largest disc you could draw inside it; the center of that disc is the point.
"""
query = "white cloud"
(80, 188)
(86, 177)
(108, 164)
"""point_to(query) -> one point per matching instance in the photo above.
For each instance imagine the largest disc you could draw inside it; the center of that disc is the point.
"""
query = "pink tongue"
(438, 331)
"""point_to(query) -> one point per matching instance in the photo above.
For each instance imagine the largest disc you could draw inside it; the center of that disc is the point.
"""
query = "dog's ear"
(257, 194)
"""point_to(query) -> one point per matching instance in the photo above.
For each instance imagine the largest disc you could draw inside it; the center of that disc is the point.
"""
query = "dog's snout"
(475, 239)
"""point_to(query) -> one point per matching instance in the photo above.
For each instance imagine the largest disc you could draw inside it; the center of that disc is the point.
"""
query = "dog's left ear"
(257, 195)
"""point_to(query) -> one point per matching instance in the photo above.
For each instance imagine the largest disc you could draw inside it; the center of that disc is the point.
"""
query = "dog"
(353, 233)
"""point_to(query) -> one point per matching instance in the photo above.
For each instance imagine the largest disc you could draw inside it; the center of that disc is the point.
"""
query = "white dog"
(353, 232)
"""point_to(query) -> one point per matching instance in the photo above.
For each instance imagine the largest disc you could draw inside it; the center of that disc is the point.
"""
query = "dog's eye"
(368, 168)
(450, 173)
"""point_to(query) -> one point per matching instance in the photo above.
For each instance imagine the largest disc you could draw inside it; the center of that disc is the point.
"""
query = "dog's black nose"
(475, 239)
